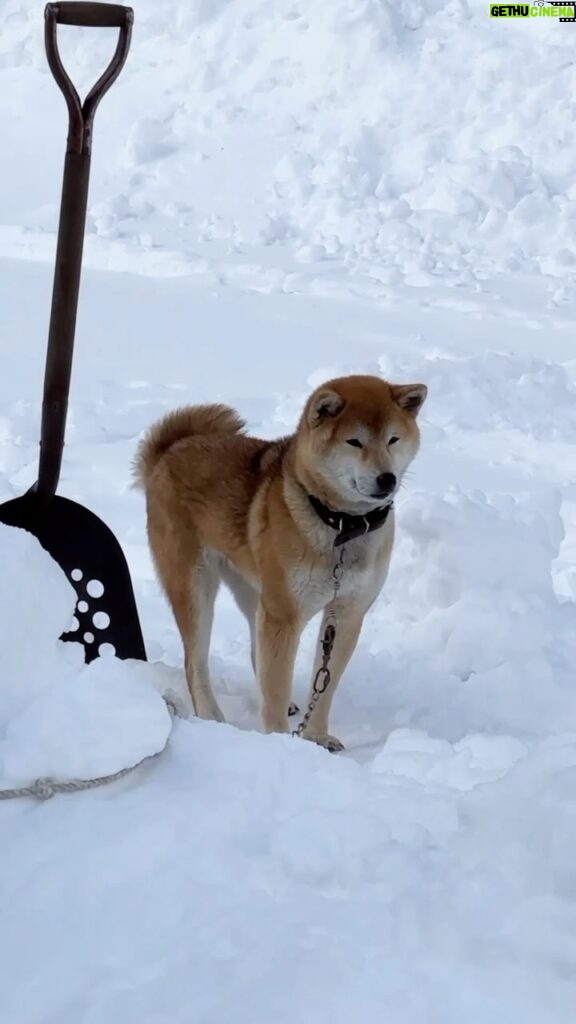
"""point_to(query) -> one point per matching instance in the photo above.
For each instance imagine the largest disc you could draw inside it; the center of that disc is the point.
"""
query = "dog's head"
(356, 438)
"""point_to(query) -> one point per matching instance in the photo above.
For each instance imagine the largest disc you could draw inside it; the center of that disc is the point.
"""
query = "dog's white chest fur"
(361, 578)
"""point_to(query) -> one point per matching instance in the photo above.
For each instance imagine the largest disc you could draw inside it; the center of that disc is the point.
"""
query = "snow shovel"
(78, 540)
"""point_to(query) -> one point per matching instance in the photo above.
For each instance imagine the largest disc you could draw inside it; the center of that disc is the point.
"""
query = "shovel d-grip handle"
(81, 115)
(72, 219)
(88, 15)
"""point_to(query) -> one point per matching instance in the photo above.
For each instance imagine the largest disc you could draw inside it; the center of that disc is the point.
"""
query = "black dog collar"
(349, 527)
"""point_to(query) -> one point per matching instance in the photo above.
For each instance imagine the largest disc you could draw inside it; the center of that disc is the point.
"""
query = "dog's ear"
(324, 404)
(410, 397)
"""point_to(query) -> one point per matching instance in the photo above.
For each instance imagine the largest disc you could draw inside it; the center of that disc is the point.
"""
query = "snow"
(281, 194)
(110, 716)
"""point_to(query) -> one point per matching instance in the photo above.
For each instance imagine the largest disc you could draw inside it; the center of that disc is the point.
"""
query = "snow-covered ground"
(282, 192)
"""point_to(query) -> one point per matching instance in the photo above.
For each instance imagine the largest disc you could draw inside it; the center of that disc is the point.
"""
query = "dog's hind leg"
(190, 578)
(200, 616)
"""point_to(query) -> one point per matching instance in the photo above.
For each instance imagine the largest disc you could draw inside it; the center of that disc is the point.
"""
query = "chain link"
(322, 679)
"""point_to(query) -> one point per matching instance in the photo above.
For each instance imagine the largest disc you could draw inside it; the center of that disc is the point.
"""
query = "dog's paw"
(330, 743)
(293, 709)
(209, 711)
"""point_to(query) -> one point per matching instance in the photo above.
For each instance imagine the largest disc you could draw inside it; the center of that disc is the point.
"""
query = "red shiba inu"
(266, 517)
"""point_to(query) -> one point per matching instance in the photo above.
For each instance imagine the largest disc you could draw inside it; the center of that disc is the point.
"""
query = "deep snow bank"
(422, 140)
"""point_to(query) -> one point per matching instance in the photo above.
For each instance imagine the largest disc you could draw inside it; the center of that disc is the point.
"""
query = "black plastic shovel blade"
(92, 559)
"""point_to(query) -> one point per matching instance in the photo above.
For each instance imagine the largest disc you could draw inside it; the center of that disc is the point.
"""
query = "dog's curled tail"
(189, 421)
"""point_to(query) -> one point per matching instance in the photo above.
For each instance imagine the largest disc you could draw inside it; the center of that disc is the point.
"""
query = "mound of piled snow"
(423, 141)
(248, 875)
(58, 717)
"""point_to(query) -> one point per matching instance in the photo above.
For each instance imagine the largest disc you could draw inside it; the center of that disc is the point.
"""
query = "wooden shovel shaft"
(63, 319)
(72, 221)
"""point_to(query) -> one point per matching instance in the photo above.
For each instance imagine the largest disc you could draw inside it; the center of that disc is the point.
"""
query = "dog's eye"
(355, 442)
(393, 440)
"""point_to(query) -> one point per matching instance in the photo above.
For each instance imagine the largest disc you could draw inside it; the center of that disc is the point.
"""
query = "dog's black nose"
(385, 484)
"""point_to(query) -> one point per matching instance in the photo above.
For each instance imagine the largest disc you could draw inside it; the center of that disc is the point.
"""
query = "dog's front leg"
(348, 625)
(277, 643)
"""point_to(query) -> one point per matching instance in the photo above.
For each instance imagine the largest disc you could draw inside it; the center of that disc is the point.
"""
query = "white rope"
(43, 789)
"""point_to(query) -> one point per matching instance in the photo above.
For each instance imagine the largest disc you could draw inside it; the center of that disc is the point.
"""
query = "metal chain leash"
(43, 789)
(322, 679)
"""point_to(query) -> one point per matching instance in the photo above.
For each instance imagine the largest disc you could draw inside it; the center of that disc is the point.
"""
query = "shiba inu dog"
(266, 517)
